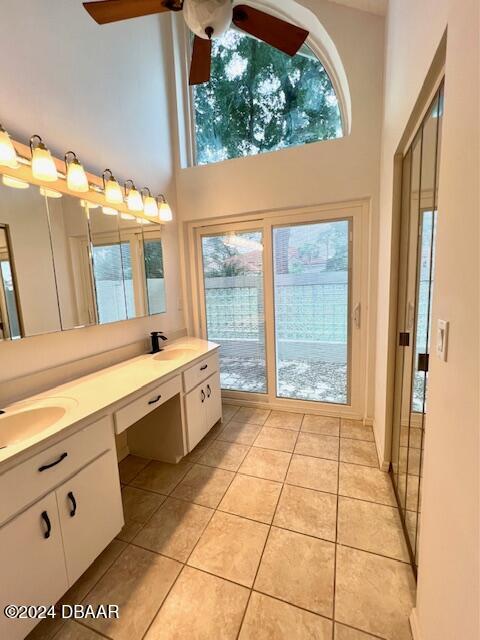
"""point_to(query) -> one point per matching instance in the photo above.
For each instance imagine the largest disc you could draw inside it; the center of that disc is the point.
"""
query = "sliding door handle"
(357, 315)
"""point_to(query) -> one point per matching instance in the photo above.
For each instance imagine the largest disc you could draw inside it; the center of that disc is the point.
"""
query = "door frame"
(358, 213)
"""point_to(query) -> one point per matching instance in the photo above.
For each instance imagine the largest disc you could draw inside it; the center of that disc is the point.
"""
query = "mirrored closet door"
(416, 282)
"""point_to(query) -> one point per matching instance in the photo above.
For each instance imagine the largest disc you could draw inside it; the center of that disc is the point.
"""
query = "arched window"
(259, 99)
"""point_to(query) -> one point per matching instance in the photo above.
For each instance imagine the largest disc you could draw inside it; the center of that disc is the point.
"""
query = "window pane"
(107, 268)
(233, 278)
(155, 276)
(10, 301)
(128, 279)
(260, 99)
(311, 264)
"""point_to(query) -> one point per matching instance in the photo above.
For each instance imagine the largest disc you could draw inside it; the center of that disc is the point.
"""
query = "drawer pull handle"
(205, 366)
(53, 464)
(155, 400)
(46, 519)
(71, 497)
(209, 391)
(203, 396)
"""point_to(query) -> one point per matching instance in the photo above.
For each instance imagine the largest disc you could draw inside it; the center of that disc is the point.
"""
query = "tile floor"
(278, 526)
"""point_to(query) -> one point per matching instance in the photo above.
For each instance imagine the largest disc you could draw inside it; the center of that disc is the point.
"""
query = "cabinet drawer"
(131, 413)
(200, 371)
(33, 478)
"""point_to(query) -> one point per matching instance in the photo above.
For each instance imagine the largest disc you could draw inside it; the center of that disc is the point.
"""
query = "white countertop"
(94, 393)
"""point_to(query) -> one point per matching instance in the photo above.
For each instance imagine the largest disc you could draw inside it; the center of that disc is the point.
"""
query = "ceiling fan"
(208, 20)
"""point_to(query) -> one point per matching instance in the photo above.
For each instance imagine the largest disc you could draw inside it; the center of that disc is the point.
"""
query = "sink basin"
(23, 423)
(175, 354)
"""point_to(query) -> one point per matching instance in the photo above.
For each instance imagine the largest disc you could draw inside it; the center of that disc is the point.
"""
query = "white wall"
(448, 587)
(102, 92)
(320, 173)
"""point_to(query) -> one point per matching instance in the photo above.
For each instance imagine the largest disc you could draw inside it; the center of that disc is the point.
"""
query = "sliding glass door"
(279, 298)
(311, 276)
(234, 306)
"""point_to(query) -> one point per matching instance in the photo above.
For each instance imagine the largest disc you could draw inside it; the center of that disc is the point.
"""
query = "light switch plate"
(442, 339)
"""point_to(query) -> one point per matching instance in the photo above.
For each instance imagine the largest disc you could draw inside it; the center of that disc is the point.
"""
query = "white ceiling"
(372, 6)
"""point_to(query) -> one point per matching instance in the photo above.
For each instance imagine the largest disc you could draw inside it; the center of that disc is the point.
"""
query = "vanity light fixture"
(134, 199)
(166, 214)
(15, 183)
(8, 155)
(113, 191)
(43, 166)
(108, 211)
(76, 176)
(50, 193)
(150, 207)
(127, 216)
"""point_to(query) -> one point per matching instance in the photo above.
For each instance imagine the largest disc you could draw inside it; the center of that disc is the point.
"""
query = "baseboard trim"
(414, 626)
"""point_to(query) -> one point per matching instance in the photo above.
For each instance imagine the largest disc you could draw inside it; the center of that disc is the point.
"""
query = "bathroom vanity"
(60, 500)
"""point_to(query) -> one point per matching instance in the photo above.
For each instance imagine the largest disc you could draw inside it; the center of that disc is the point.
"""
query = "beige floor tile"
(251, 414)
(298, 569)
(366, 484)
(204, 485)
(307, 511)
(278, 439)
(265, 463)
(347, 633)
(138, 507)
(137, 582)
(324, 425)
(228, 411)
(374, 594)
(270, 619)
(95, 571)
(174, 529)
(131, 466)
(224, 455)
(320, 446)
(252, 498)
(284, 420)
(230, 547)
(200, 607)
(240, 432)
(358, 452)
(161, 476)
(200, 449)
(73, 631)
(371, 527)
(356, 430)
(313, 473)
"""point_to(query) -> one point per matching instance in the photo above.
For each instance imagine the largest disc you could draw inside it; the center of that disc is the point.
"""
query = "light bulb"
(89, 205)
(166, 214)
(150, 206)
(43, 166)
(50, 193)
(127, 216)
(15, 183)
(134, 198)
(8, 155)
(108, 211)
(76, 176)
(113, 191)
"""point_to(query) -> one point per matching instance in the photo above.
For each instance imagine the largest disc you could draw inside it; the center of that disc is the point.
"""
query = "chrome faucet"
(155, 335)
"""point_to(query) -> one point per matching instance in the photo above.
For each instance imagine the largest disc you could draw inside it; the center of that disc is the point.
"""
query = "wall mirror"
(66, 263)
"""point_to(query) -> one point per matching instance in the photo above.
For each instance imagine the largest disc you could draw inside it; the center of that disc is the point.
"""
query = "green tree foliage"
(259, 99)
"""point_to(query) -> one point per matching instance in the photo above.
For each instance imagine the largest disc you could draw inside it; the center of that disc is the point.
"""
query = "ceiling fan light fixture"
(208, 19)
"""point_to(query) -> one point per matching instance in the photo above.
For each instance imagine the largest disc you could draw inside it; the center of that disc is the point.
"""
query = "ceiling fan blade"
(201, 61)
(282, 35)
(105, 11)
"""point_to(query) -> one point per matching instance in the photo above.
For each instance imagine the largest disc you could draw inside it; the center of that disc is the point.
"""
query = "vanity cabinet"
(48, 546)
(203, 409)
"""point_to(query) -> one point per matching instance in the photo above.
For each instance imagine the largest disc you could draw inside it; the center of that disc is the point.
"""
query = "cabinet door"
(213, 403)
(196, 416)
(32, 564)
(91, 513)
